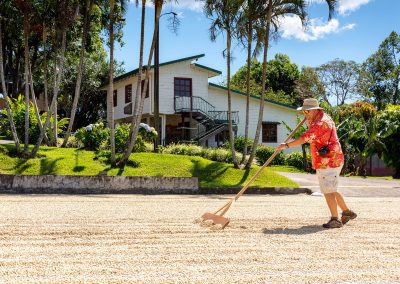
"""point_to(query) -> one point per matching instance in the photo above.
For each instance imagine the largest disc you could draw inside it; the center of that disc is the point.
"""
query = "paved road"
(6, 141)
(351, 186)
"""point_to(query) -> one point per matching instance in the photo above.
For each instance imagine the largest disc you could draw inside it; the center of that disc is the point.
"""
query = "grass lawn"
(287, 169)
(61, 161)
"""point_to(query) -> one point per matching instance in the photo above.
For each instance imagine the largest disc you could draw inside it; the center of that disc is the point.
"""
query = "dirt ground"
(151, 239)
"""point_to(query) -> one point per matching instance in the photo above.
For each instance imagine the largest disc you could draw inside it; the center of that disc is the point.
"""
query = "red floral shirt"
(318, 135)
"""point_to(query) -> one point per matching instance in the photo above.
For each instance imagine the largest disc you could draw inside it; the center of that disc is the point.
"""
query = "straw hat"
(309, 104)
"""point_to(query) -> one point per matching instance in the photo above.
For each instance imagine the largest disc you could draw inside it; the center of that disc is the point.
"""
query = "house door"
(183, 88)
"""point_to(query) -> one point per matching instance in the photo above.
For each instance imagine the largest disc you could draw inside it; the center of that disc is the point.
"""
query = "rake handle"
(246, 186)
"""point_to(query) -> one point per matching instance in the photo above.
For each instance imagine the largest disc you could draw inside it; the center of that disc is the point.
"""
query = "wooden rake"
(218, 216)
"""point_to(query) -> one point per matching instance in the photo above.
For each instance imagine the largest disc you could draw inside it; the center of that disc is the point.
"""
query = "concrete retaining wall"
(49, 184)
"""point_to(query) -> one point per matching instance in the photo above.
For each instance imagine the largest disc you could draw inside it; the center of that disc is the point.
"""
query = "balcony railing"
(193, 104)
(212, 119)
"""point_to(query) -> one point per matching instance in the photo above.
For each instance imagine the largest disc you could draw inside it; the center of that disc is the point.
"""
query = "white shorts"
(329, 179)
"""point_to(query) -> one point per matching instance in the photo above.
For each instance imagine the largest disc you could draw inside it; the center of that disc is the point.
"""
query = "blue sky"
(355, 32)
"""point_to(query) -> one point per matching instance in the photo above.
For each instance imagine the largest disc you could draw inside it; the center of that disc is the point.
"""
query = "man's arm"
(293, 143)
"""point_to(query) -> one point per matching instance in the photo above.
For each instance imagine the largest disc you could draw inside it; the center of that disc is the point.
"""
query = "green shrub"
(147, 136)
(122, 135)
(214, 154)
(183, 149)
(18, 112)
(239, 144)
(93, 135)
(73, 142)
(295, 159)
(264, 152)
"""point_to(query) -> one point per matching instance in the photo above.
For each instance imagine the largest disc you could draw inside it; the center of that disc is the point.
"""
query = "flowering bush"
(148, 133)
(93, 135)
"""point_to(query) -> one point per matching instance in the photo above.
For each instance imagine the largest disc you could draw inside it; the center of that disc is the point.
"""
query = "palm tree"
(224, 14)
(246, 28)
(85, 31)
(141, 93)
(35, 106)
(138, 96)
(110, 104)
(68, 13)
(273, 12)
(26, 79)
(5, 96)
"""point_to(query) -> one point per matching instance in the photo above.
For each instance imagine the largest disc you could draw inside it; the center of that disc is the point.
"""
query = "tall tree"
(308, 85)
(140, 95)
(281, 75)
(26, 8)
(224, 15)
(380, 73)
(340, 80)
(85, 31)
(5, 95)
(67, 9)
(247, 31)
(273, 12)
(110, 94)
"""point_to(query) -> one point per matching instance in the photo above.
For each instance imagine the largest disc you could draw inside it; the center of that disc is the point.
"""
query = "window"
(270, 132)
(147, 92)
(183, 87)
(115, 98)
(128, 94)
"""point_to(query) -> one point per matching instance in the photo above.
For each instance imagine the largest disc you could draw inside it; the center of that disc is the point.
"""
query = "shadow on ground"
(305, 230)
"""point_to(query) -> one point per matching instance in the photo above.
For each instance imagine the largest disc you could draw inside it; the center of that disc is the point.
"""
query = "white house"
(192, 109)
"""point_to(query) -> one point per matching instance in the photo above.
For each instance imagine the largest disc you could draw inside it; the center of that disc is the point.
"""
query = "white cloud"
(344, 7)
(347, 6)
(182, 4)
(190, 4)
(291, 28)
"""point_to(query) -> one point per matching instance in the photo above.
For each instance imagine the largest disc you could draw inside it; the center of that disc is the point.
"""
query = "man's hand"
(282, 147)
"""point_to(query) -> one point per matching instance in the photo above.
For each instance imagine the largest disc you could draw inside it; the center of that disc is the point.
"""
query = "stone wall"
(49, 184)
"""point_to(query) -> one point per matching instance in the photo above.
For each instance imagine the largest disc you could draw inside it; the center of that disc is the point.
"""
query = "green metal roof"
(253, 96)
(208, 68)
(135, 71)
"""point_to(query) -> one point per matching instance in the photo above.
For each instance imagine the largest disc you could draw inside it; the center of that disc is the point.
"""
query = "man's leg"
(332, 204)
(340, 201)
(328, 179)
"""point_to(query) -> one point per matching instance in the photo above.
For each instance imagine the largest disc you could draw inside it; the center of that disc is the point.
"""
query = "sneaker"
(333, 223)
(347, 216)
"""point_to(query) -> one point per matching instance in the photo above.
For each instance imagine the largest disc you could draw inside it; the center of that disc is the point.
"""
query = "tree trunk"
(55, 131)
(264, 71)
(5, 97)
(57, 82)
(246, 128)
(46, 99)
(37, 114)
(80, 72)
(26, 79)
(230, 126)
(137, 116)
(110, 104)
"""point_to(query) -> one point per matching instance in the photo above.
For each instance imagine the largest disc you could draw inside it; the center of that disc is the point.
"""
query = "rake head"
(217, 219)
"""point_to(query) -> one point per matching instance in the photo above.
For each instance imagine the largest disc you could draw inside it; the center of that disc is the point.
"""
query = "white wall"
(272, 112)
(120, 87)
(182, 70)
